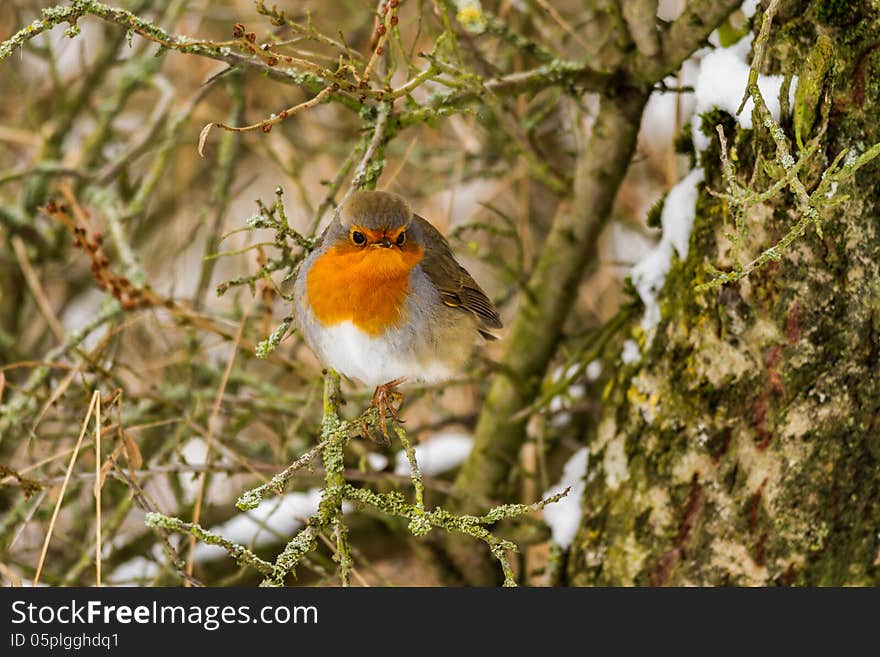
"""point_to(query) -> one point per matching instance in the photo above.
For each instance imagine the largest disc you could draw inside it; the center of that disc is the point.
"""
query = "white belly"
(357, 355)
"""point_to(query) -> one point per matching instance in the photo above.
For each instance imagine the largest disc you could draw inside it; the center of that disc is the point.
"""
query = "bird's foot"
(388, 400)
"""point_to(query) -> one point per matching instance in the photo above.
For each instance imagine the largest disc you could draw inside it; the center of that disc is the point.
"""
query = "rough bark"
(745, 448)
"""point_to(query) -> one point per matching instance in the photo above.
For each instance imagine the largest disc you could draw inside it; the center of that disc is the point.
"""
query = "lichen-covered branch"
(329, 515)
(241, 554)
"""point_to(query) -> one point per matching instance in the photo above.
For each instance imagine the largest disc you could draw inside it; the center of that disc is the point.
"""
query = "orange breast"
(364, 285)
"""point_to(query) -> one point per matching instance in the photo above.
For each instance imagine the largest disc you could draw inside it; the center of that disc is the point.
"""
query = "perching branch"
(329, 516)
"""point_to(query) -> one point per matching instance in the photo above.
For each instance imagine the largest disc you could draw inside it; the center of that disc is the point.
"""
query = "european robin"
(382, 299)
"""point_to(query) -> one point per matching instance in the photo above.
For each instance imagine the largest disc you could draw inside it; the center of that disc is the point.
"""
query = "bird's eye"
(401, 238)
(358, 237)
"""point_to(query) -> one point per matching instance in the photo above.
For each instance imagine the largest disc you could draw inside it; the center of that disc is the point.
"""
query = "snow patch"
(677, 218)
(721, 82)
(749, 7)
(627, 245)
(440, 453)
(574, 391)
(564, 516)
(679, 210)
(194, 452)
(630, 353)
(377, 462)
(561, 404)
(274, 518)
(134, 571)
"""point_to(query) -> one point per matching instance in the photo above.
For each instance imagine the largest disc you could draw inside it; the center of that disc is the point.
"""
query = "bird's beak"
(384, 242)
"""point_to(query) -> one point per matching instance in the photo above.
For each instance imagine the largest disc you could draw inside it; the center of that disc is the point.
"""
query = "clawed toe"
(388, 401)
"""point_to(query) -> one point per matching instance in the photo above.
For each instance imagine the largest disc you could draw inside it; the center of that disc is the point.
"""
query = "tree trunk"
(744, 448)
(489, 471)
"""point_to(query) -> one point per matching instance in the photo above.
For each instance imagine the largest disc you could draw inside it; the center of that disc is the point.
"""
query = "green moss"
(684, 144)
(715, 117)
(839, 13)
(655, 212)
(679, 293)
(810, 88)
(840, 551)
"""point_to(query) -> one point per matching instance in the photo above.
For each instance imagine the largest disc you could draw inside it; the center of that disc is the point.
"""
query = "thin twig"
(33, 282)
(73, 456)
(99, 484)
(360, 173)
(266, 124)
(252, 498)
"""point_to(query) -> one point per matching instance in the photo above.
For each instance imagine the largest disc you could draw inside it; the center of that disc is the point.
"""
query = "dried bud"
(77, 244)
(51, 207)
(104, 261)
(394, 20)
(267, 127)
(238, 30)
(394, 4)
(250, 36)
(282, 114)
(380, 50)
(380, 30)
(98, 237)
(272, 61)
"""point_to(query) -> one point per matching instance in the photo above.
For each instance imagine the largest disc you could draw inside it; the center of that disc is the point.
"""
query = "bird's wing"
(456, 286)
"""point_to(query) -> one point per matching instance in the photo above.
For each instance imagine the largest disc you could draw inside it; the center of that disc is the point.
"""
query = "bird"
(382, 300)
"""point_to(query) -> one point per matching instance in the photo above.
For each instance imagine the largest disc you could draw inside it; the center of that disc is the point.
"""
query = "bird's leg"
(384, 399)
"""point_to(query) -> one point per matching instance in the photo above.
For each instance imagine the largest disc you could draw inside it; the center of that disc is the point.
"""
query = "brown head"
(372, 218)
